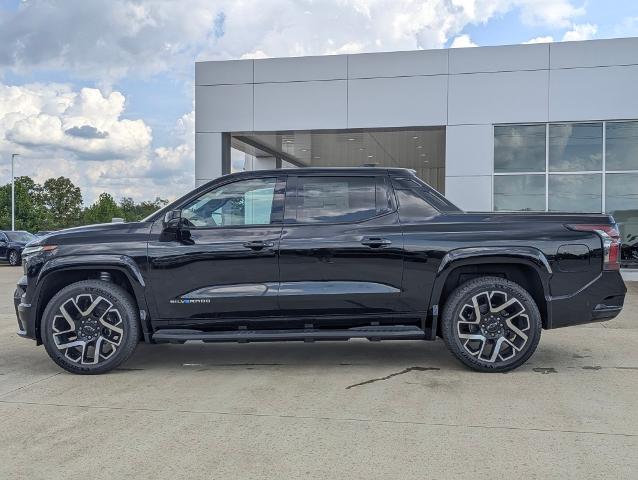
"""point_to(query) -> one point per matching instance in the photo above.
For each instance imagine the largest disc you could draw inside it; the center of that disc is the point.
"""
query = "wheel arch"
(526, 266)
(60, 272)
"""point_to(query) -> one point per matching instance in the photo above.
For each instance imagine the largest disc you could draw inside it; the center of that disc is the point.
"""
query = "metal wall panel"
(295, 69)
(397, 102)
(301, 105)
(506, 97)
(469, 150)
(222, 73)
(593, 93)
(208, 157)
(594, 53)
(223, 108)
(397, 64)
(499, 59)
(470, 193)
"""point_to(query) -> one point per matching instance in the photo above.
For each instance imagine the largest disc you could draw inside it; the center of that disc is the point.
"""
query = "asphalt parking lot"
(324, 410)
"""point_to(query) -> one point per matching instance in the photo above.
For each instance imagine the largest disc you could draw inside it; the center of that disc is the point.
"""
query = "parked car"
(42, 233)
(318, 254)
(11, 245)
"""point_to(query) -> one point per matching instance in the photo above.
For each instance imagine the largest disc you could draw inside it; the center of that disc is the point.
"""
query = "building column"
(208, 157)
(469, 163)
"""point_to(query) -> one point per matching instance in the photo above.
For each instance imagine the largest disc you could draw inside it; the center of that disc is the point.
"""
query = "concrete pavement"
(325, 410)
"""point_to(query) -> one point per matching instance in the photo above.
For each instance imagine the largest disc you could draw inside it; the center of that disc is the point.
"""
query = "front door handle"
(259, 244)
(376, 242)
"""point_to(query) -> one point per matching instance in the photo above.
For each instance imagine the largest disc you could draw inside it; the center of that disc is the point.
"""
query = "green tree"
(137, 211)
(103, 210)
(63, 201)
(30, 212)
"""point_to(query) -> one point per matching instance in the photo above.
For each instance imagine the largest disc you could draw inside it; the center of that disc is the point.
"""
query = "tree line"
(57, 204)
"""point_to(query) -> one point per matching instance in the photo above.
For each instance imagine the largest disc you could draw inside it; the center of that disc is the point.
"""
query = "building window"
(588, 167)
(519, 148)
(575, 193)
(622, 146)
(575, 147)
(519, 192)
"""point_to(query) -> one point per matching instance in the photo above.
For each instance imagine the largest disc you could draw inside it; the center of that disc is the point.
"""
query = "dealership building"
(543, 127)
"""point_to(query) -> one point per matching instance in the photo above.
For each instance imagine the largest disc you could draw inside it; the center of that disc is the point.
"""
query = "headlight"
(38, 248)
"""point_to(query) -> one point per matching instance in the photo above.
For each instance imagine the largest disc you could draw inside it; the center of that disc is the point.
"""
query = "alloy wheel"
(14, 258)
(493, 326)
(88, 329)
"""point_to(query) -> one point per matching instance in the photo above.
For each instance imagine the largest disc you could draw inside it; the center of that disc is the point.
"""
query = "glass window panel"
(336, 199)
(621, 200)
(575, 193)
(413, 206)
(519, 148)
(519, 192)
(246, 202)
(622, 146)
(575, 147)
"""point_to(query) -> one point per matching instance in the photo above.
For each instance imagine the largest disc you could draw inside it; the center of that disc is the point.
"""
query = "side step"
(393, 332)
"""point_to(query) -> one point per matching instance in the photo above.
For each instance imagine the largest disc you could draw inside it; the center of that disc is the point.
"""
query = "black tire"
(518, 324)
(15, 258)
(96, 323)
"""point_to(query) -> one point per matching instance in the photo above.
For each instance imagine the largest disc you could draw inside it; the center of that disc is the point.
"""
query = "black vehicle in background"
(319, 254)
(11, 245)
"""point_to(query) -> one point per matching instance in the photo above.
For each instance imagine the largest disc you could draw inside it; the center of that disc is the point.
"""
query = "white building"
(524, 127)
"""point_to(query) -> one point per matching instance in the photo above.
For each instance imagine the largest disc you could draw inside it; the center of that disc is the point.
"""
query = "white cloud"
(107, 39)
(85, 133)
(463, 41)
(583, 31)
(547, 39)
(550, 13)
(81, 134)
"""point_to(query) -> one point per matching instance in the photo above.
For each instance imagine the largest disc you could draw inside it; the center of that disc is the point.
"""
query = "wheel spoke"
(88, 329)
(493, 327)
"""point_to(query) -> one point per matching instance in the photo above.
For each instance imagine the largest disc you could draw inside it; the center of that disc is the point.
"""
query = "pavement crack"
(544, 370)
(387, 377)
(321, 418)
(30, 384)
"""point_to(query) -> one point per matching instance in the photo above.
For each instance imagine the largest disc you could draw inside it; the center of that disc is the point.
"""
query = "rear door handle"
(259, 244)
(376, 242)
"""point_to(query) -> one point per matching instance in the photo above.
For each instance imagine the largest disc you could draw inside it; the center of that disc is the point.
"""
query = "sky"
(102, 91)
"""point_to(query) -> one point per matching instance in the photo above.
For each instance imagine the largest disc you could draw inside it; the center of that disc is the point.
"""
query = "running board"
(373, 333)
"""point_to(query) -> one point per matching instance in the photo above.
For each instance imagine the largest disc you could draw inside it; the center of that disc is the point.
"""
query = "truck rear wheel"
(90, 327)
(491, 324)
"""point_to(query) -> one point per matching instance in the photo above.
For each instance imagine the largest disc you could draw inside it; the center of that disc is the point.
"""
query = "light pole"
(13, 194)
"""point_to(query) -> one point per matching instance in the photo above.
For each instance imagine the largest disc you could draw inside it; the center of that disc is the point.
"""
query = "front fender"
(90, 262)
(121, 263)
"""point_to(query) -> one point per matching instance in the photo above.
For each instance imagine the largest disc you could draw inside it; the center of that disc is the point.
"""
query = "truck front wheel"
(491, 324)
(90, 327)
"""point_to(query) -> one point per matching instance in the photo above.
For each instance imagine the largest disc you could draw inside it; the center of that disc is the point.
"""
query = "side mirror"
(173, 219)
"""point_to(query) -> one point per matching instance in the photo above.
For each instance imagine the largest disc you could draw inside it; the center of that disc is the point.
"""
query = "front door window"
(246, 202)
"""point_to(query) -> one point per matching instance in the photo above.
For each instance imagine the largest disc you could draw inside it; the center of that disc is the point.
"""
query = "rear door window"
(336, 199)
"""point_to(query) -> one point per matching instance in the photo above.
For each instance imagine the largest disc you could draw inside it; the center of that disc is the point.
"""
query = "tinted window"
(519, 148)
(622, 146)
(426, 192)
(519, 193)
(336, 199)
(247, 202)
(413, 207)
(20, 236)
(575, 147)
(621, 195)
(575, 193)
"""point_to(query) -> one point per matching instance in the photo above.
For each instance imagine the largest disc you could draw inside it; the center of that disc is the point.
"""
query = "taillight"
(610, 236)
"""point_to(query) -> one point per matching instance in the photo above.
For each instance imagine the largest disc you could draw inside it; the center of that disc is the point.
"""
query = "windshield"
(19, 236)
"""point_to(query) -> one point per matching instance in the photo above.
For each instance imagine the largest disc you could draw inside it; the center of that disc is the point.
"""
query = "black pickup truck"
(318, 254)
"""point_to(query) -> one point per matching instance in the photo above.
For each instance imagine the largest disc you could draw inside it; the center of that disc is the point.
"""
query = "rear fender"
(528, 256)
